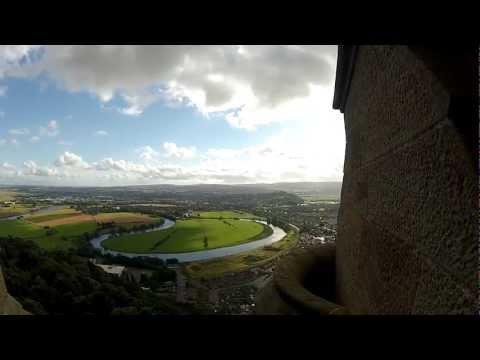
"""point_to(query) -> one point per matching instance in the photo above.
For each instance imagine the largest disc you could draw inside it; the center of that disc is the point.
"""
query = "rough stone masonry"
(407, 238)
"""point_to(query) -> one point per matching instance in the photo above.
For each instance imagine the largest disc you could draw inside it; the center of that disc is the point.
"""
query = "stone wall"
(8, 305)
(407, 238)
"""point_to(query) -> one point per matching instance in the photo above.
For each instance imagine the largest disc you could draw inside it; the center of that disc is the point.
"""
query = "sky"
(110, 115)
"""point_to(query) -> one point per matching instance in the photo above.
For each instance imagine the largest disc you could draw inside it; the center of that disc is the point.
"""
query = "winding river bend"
(277, 235)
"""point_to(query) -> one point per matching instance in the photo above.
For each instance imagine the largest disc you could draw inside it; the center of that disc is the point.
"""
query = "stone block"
(393, 97)
(426, 194)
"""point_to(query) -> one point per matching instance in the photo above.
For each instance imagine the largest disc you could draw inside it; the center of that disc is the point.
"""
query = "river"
(277, 235)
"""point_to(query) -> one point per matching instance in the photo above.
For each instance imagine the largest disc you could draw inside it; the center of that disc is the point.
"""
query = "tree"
(205, 242)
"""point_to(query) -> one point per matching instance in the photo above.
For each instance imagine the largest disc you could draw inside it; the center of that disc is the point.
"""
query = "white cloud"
(2, 114)
(137, 103)
(32, 169)
(15, 142)
(248, 84)
(7, 166)
(100, 133)
(3, 90)
(147, 153)
(69, 159)
(3, 142)
(20, 132)
(65, 143)
(8, 170)
(51, 129)
(178, 152)
(34, 139)
(12, 56)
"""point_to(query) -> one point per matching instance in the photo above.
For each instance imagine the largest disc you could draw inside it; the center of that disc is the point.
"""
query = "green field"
(16, 210)
(62, 236)
(66, 226)
(189, 235)
(66, 236)
(224, 215)
(20, 228)
(243, 261)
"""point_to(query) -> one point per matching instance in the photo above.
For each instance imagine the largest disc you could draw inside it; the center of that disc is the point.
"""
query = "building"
(407, 239)
(117, 270)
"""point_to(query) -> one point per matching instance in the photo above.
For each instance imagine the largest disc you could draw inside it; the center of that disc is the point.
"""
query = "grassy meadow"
(243, 261)
(58, 237)
(189, 235)
(63, 228)
(224, 215)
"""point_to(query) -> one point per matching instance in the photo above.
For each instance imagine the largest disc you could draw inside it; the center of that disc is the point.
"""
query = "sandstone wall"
(407, 227)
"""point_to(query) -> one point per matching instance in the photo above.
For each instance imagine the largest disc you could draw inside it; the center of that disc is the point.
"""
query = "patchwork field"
(16, 210)
(7, 195)
(190, 235)
(12, 210)
(58, 237)
(224, 215)
(63, 228)
(59, 217)
(124, 218)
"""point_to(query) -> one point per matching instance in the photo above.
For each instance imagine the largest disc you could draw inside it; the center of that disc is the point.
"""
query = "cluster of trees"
(143, 262)
(61, 282)
(276, 221)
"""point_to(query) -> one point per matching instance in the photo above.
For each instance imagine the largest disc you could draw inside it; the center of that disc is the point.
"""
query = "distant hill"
(306, 190)
(318, 189)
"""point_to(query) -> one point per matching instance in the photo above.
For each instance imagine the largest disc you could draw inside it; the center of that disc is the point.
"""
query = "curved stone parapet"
(303, 283)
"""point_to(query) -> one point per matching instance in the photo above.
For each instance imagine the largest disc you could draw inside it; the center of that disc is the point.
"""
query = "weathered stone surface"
(8, 305)
(428, 198)
(349, 261)
(392, 97)
(303, 283)
(407, 238)
(439, 293)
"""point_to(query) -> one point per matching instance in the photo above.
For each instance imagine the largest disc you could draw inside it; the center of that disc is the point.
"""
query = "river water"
(277, 235)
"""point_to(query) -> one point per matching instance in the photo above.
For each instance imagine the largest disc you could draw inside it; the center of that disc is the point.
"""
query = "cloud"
(8, 167)
(3, 142)
(32, 169)
(3, 90)
(2, 114)
(100, 133)
(12, 57)
(8, 170)
(34, 139)
(178, 152)
(20, 132)
(137, 103)
(240, 82)
(51, 129)
(279, 158)
(147, 153)
(68, 159)
(65, 143)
